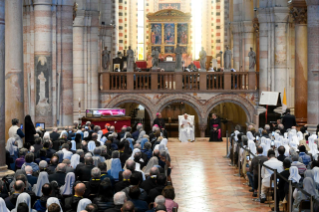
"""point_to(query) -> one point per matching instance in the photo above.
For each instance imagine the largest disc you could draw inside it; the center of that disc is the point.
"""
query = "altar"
(168, 66)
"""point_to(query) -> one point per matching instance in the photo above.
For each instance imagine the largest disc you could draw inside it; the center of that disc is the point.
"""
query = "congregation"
(87, 169)
(294, 156)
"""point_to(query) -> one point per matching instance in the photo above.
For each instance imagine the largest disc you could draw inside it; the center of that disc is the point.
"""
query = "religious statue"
(42, 80)
(130, 60)
(155, 57)
(202, 59)
(227, 59)
(252, 60)
(178, 63)
(105, 58)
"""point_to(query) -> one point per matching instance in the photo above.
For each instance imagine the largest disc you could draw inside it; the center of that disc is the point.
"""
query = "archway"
(230, 115)
(138, 114)
(170, 113)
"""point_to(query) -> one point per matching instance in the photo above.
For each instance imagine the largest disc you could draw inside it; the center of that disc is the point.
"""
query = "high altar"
(167, 28)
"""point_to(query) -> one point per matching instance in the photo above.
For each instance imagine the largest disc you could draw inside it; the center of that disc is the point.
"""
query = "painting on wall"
(156, 47)
(169, 49)
(182, 33)
(43, 76)
(169, 34)
(156, 34)
(175, 6)
(184, 49)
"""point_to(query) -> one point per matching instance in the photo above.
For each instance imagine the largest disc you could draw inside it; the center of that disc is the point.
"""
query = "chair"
(304, 204)
(271, 189)
(192, 122)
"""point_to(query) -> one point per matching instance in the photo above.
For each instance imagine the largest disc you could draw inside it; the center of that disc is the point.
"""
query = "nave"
(204, 181)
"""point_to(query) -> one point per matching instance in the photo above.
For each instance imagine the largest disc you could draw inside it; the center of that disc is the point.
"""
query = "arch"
(128, 98)
(173, 98)
(236, 99)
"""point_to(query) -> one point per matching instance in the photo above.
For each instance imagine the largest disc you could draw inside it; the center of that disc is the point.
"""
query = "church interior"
(183, 72)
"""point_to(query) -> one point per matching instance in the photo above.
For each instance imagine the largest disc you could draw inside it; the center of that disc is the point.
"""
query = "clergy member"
(187, 129)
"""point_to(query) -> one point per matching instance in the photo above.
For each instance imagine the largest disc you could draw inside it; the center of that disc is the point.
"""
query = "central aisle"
(204, 182)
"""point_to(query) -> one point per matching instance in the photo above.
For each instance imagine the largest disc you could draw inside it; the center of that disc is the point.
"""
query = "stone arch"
(173, 98)
(136, 98)
(231, 98)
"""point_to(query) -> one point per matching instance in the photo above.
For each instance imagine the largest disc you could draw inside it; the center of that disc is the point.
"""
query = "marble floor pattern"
(204, 181)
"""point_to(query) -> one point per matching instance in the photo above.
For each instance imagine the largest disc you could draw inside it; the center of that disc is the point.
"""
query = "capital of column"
(43, 2)
(298, 10)
(281, 14)
(263, 15)
(312, 2)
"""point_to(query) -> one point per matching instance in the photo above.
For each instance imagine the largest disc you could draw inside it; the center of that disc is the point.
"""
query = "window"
(140, 30)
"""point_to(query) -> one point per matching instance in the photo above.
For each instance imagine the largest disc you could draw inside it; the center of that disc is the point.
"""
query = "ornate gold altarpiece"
(169, 17)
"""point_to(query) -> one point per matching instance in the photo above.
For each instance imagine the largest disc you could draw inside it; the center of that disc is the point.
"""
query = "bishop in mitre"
(186, 129)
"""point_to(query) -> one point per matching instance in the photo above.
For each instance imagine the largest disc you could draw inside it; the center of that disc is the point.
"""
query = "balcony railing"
(178, 82)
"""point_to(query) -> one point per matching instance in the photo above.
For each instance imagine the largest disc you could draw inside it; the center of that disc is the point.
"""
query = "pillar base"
(4, 171)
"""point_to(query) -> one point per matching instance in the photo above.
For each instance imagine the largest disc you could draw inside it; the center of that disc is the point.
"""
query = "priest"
(186, 133)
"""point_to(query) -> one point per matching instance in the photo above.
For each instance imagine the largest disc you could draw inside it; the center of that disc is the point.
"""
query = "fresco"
(175, 6)
(169, 34)
(156, 47)
(156, 34)
(169, 49)
(182, 33)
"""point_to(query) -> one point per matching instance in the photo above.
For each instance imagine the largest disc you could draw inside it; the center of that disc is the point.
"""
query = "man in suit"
(54, 135)
(281, 151)
(282, 183)
(53, 164)
(125, 182)
(161, 183)
(253, 169)
(12, 199)
(59, 175)
(31, 179)
(83, 173)
(266, 173)
(71, 203)
(119, 199)
(150, 182)
(289, 120)
(69, 168)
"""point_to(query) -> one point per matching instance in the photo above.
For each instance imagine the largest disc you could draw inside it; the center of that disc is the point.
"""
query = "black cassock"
(215, 135)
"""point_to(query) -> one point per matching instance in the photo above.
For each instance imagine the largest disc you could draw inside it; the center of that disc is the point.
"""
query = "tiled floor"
(204, 181)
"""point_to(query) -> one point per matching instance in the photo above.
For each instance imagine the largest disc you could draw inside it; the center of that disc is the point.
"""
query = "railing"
(173, 81)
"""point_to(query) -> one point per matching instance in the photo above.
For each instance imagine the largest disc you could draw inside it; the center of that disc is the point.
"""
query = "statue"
(130, 60)
(252, 60)
(202, 59)
(178, 63)
(155, 56)
(105, 58)
(227, 59)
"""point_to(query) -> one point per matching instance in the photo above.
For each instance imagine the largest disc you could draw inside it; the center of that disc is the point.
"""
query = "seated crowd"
(294, 154)
(87, 169)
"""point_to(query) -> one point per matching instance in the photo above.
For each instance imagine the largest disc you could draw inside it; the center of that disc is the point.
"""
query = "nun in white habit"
(52, 200)
(67, 188)
(42, 179)
(82, 204)
(24, 197)
(3, 206)
(75, 160)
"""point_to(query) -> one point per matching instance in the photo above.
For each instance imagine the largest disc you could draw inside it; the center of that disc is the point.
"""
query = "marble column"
(313, 64)
(263, 49)
(281, 15)
(14, 85)
(43, 61)
(66, 103)
(236, 43)
(299, 12)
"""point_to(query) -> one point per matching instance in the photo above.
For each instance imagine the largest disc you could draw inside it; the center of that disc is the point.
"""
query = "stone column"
(14, 85)
(313, 64)
(43, 61)
(263, 50)
(299, 12)
(66, 103)
(281, 15)
(236, 43)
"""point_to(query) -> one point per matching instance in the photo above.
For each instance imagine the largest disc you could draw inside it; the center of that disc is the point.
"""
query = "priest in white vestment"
(186, 128)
